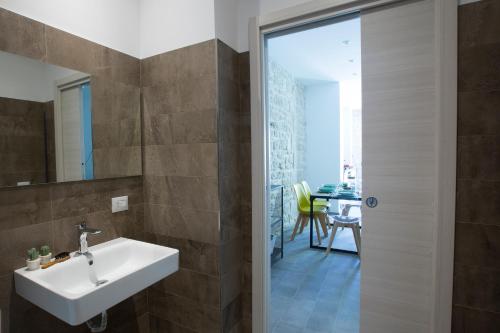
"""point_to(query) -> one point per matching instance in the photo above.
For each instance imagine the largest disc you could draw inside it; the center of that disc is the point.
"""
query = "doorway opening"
(313, 101)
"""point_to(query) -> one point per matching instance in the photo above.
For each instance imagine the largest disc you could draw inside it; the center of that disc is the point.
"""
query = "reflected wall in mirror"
(58, 124)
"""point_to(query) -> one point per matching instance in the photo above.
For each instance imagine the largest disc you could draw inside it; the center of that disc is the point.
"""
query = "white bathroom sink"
(66, 289)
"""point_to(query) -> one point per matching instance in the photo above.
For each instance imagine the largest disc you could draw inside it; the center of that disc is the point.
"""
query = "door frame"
(446, 127)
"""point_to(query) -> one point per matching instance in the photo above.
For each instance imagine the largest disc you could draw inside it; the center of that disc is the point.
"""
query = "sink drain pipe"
(98, 323)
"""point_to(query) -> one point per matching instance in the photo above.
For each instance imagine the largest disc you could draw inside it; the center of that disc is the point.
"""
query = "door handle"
(371, 202)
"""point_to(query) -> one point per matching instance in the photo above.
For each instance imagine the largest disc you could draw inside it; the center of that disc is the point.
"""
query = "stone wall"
(287, 136)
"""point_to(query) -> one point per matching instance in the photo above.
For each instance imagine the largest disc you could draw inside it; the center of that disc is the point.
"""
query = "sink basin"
(125, 267)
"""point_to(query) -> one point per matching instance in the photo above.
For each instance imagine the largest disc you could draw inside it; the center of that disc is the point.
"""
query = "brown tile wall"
(245, 191)
(50, 142)
(228, 98)
(196, 145)
(476, 297)
(181, 179)
(22, 142)
(46, 214)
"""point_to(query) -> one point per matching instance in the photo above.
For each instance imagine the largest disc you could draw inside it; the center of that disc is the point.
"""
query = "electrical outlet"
(119, 204)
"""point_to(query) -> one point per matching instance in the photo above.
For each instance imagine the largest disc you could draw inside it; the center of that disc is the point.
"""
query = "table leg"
(311, 216)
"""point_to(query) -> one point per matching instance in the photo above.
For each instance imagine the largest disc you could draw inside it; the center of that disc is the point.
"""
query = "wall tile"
(479, 157)
(197, 60)
(194, 127)
(192, 61)
(231, 255)
(6, 283)
(197, 92)
(179, 222)
(479, 245)
(229, 193)
(161, 99)
(157, 129)
(160, 69)
(477, 201)
(466, 320)
(133, 325)
(15, 242)
(198, 193)
(73, 199)
(196, 256)
(156, 189)
(122, 224)
(64, 49)
(127, 314)
(478, 112)
(73, 52)
(479, 68)
(231, 288)
(119, 67)
(478, 24)
(476, 287)
(158, 325)
(202, 288)
(181, 160)
(231, 315)
(21, 207)
(228, 62)
(117, 162)
(21, 35)
(184, 312)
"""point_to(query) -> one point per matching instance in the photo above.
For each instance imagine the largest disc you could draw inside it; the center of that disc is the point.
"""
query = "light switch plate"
(119, 204)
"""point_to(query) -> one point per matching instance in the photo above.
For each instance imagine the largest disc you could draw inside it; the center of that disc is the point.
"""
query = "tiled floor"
(314, 293)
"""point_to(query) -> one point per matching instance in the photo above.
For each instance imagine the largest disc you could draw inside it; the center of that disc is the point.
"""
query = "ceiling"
(327, 53)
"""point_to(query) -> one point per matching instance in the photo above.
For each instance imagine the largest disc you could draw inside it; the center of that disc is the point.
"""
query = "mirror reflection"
(46, 125)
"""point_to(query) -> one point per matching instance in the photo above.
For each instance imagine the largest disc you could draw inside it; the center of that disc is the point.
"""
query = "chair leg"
(304, 223)
(323, 220)
(299, 221)
(357, 237)
(329, 221)
(332, 237)
(316, 224)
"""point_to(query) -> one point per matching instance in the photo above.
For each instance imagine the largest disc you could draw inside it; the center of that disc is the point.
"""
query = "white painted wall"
(322, 134)
(251, 8)
(226, 21)
(28, 79)
(112, 23)
(246, 10)
(166, 25)
(269, 6)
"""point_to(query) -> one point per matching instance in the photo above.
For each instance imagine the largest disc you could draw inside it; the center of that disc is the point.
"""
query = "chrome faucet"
(83, 248)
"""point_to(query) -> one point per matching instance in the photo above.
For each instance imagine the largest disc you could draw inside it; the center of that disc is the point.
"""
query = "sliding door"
(399, 167)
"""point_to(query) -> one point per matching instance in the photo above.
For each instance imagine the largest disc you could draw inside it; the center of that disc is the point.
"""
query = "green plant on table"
(32, 254)
(44, 250)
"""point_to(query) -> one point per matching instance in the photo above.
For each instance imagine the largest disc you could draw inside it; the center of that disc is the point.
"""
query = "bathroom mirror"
(59, 125)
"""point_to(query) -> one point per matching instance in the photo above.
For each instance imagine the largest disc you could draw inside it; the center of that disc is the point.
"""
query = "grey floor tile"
(320, 323)
(311, 292)
(284, 328)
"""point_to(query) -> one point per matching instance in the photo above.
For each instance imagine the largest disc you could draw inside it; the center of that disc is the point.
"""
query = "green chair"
(303, 207)
(317, 202)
